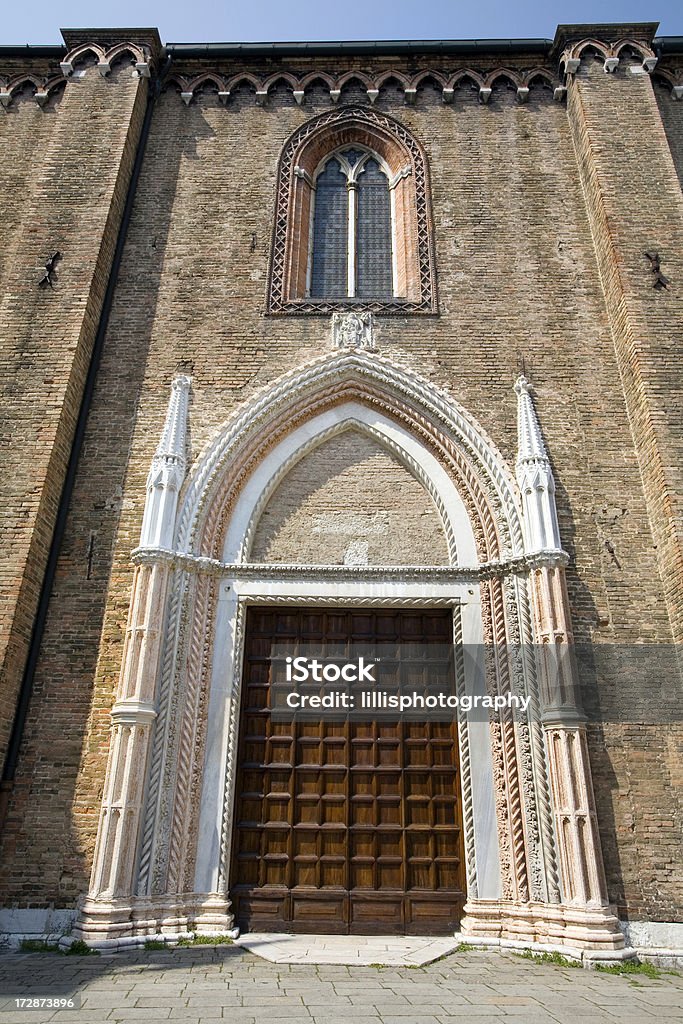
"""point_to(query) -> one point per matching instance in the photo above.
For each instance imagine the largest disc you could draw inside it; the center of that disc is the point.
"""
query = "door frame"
(235, 594)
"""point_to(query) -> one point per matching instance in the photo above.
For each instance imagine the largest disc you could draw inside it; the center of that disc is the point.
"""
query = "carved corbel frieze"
(610, 52)
(43, 88)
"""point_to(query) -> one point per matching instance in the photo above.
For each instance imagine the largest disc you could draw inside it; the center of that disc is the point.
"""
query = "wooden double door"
(344, 826)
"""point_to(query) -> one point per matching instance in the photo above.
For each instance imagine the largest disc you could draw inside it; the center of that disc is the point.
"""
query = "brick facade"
(542, 209)
(392, 521)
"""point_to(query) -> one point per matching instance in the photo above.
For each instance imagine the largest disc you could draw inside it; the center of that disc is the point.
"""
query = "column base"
(584, 931)
(134, 920)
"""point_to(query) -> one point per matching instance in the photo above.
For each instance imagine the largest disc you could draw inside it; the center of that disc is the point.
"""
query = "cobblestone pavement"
(212, 983)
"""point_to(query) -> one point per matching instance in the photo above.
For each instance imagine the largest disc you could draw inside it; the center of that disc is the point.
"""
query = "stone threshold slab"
(348, 950)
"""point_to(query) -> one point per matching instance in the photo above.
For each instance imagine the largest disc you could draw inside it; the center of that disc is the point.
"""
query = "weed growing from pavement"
(630, 967)
(206, 940)
(38, 946)
(548, 958)
(155, 944)
(78, 948)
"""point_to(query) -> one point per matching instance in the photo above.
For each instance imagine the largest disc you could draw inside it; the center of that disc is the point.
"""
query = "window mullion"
(394, 236)
(311, 223)
(352, 187)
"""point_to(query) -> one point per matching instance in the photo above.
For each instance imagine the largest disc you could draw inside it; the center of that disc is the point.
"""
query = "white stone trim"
(133, 712)
(167, 471)
(215, 821)
(417, 459)
(351, 188)
(484, 837)
(394, 254)
(535, 477)
(17, 923)
(428, 400)
(613, 956)
(512, 883)
(198, 565)
(664, 936)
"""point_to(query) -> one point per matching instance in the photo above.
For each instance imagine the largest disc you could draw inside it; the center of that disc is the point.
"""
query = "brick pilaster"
(77, 175)
(634, 204)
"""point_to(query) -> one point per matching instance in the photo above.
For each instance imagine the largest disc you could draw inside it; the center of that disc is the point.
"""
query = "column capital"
(133, 712)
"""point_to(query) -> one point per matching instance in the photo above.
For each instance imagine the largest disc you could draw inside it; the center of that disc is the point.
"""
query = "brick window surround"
(302, 155)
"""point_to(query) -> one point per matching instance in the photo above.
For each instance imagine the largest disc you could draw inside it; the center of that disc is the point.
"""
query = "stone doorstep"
(348, 950)
(399, 951)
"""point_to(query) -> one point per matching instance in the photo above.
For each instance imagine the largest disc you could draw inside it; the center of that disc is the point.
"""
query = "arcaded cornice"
(480, 65)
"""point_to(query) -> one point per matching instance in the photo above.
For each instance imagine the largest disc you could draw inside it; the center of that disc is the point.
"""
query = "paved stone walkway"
(356, 950)
(201, 985)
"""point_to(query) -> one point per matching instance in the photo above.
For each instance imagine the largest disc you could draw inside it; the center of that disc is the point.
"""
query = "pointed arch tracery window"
(353, 227)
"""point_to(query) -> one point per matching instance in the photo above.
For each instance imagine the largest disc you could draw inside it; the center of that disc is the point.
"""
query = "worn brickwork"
(671, 111)
(67, 165)
(641, 318)
(524, 273)
(349, 500)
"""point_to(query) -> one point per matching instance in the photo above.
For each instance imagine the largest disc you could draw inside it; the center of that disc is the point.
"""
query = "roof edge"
(644, 31)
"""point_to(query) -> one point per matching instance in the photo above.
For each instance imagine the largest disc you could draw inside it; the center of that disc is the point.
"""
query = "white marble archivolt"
(533, 864)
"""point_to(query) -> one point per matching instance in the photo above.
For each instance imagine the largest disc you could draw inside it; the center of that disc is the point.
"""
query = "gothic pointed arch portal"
(162, 862)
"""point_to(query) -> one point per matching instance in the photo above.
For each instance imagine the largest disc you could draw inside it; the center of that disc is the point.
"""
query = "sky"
(180, 21)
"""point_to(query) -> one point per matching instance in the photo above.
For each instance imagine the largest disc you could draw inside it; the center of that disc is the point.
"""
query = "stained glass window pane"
(373, 234)
(329, 267)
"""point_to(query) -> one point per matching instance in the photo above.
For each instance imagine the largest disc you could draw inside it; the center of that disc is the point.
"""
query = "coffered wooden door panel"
(344, 826)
